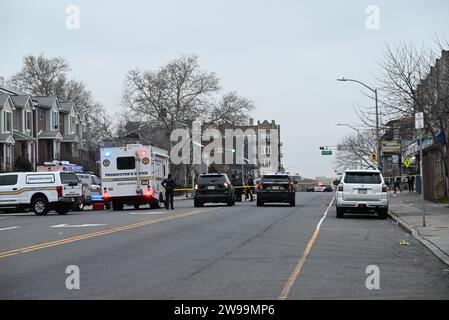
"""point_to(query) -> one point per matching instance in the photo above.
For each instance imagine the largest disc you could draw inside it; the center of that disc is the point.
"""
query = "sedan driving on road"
(215, 188)
(362, 191)
(275, 188)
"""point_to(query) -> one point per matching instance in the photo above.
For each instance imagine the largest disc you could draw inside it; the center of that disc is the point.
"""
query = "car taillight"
(384, 188)
(59, 191)
(149, 193)
(197, 186)
(225, 185)
(340, 187)
(105, 196)
(291, 186)
(260, 186)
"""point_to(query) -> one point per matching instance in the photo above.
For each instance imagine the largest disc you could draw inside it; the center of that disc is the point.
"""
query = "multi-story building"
(6, 132)
(40, 129)
(48, 134)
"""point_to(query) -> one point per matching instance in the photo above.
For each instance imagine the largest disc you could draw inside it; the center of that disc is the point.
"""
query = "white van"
(132, 175)
(39, 191)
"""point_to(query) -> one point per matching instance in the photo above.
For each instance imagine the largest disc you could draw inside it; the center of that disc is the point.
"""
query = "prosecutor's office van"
(39, 192)
(132, 175)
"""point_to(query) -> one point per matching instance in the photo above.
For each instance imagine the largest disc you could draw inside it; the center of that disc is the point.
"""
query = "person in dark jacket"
(250, 189)
(397, 184)
(169, 185)
(411, 183)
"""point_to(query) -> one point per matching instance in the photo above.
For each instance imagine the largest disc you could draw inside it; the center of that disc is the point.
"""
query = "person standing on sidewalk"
(169, 185)
(250, 184)
(397, 184)
(411, 183)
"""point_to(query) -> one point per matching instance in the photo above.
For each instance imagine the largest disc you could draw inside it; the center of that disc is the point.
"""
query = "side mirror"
(336, 182)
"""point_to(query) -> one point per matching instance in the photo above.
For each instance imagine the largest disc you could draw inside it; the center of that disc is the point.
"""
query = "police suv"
(39, 192)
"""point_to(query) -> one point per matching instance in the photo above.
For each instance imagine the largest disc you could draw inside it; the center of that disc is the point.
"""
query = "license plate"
(275, 187)
(211, 187)
(362, 191)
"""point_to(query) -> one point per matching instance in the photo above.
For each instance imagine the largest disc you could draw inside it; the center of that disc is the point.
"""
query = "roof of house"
(70, 138)
(66, 107)
(3, 99)
(46, 102)
(20, 136)
(6, 138)
(50, 135)
(20, 101)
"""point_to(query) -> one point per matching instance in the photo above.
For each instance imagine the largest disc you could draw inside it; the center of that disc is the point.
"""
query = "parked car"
(276, 188)
(214, 187)
(91, 189)
(39, 192)
(310, 189)
(362, 191)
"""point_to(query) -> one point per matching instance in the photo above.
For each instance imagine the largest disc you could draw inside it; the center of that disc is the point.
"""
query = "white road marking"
(9, 228)
(65, 225)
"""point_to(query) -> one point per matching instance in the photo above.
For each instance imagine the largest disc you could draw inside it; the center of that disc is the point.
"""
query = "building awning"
(19, 136)
(7, 138)
(50, 135)
(70, 138)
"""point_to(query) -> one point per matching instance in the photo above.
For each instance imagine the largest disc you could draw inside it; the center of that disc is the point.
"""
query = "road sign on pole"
(407, 163)
(419, 120)
(326, 153)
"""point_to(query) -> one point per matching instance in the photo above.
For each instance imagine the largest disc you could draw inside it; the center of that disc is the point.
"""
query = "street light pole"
(379, 148)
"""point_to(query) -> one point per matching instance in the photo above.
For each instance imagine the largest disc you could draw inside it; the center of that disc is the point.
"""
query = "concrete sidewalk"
(405, 208)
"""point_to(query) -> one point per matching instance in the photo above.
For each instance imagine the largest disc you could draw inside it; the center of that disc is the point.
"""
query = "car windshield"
(271, 179)
(363, 177)
(211, 179)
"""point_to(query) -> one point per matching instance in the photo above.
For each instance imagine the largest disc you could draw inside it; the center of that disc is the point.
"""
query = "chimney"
(251, 121)
(2, 81)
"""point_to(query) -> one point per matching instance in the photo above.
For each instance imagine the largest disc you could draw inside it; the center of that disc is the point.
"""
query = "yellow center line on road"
(99, 233)
(296, 272)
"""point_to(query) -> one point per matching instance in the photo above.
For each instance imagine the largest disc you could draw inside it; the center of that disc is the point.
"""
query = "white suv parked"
(361, 191)
(39, 191)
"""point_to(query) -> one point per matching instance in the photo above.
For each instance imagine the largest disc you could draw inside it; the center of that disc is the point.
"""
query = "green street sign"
(339, 174)
(326, 153)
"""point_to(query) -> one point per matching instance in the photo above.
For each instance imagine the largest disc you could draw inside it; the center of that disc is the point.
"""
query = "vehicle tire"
(229, 203)
(382, 213)
(340, 213)
(117, 205)
(155, 205)
(259, 203)
(62, 209)
(136, 206)
(40, 206)
(292, 203)
(107, 205)
(78, 207)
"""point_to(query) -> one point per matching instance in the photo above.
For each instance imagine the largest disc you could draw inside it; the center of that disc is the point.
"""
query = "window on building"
(8, 155)
(28, 120)
(55, 120)
(7, 118)
(72, 124)
(41, 114)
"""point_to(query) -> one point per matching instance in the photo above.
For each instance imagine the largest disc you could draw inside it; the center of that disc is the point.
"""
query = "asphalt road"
(215, 252)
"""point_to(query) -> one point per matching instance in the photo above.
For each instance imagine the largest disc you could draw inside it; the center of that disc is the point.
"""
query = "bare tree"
(411, 83)
(354, 151)
(41, 76)
(178, 92)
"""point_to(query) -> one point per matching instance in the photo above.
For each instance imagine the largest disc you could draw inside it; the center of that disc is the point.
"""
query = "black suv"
(275, 188)
(213, 187)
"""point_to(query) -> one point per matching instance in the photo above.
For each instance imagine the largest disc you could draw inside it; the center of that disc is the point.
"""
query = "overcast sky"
(284, 55)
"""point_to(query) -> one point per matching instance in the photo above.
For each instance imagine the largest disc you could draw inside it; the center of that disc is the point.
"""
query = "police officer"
(169, 185)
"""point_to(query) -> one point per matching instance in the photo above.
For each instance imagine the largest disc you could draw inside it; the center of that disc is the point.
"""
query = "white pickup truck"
(39, 191)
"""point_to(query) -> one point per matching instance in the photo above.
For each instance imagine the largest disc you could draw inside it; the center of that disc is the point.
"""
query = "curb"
(440, 254)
